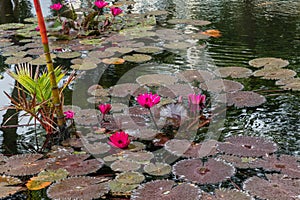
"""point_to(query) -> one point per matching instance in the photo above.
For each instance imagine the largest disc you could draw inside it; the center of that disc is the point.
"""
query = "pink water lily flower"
(104, 108)
(115, 11)
(69, 114)
(148, 100)
(196, 99)
(56, 6)
(119, 140)
(100, 4)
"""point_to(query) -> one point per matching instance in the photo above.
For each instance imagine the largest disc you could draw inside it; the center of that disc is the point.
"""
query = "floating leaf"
(24, 164)
(276, 187)
(16, 60)
(212, 33)
(101, 54)
(212, 171)
(95, 41)
(125, 165)
(52, 175)
(157, 169)
(241, 99)
(11, 26)
(157, 12)
(198, 76)
(123, 188)
(221, 85)
(6, 186)
(149, 49)
(166, 189)
(141, 157)
(84, 188)
(286, 164)
(87, 117)
(122, 50)
(239, 162)
(113, 61)
(234, 72)
(268, 63)
(156, 79)
(292, 84)
(82, 47)
(137, 58)
(96, 148)
(130, 178)
(69, 55)
(275, 74)
(143, 134)
(37, 184)
(247, 146)
(227, 194)
(122, 90)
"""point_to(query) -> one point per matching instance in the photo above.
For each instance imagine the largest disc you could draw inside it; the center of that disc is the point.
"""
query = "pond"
(241, 31)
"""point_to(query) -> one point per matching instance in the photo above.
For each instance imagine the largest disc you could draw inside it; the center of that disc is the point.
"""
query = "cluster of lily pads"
(126, 172)
(145, 149)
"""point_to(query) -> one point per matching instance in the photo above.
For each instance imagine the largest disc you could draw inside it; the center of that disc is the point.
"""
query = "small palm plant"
(34, 95)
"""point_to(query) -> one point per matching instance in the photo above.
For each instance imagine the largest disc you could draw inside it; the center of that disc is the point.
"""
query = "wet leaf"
(37, 184)
(113, 61)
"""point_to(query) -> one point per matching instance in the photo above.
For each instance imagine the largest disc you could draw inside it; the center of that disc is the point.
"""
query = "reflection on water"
(250, 29)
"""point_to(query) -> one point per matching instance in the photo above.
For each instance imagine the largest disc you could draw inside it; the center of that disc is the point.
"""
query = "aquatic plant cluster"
(151, 146)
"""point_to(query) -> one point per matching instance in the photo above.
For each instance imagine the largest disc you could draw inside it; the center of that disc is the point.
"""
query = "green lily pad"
(118, 187)
(5, 44)
(95, 41)
(156, 79)
(53, 175)
(149, 49)
(275, 74)
(86, 65)
(137, 58)
(25, 41)
(130, 178)
(113, 61)
(98, 100)
(158, 169)
(268, 62)
(31, 20)
(69, 55)
(16, 60)
(101, 54)
(122, 50)
(11, 26)
(189, 21)
(125, 165)
(35, 52)
(178, 45)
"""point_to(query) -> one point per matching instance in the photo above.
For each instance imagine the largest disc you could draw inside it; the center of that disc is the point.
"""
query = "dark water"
(250, 29)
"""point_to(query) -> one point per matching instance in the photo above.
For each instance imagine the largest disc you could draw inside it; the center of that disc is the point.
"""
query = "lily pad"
(97, 100)
(157, 169)
(52, 175)
(24, 164)
(101, 54)
(221, 85)
(125, 165)
(142, 157)
(149, 49)
(17, 60)
(166, 189)
(247, 146)
(11, 26)
(36, 184)
(122, 50)
(113, 61)
(241, 99)
(118, 188)
(87, 117)
(156, 79)
(76, 164)
(123, 90)
(227, 194)
(84, 188)
(178, 45)
(86, 65)
(269, 63)
(95, 41)
(275, 74)
(189, 21)
(69, 55)
(130, 178)
(137, 58)
(210, 172)
(96, 148)
(293, 84)
(198, 76)
(234, 72)
(6, 186)
(276, 187)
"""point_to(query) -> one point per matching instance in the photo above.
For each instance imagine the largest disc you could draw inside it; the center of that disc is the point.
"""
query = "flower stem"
(151, 115)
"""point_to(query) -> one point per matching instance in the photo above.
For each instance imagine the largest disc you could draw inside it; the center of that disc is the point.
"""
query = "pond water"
(250, 29)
